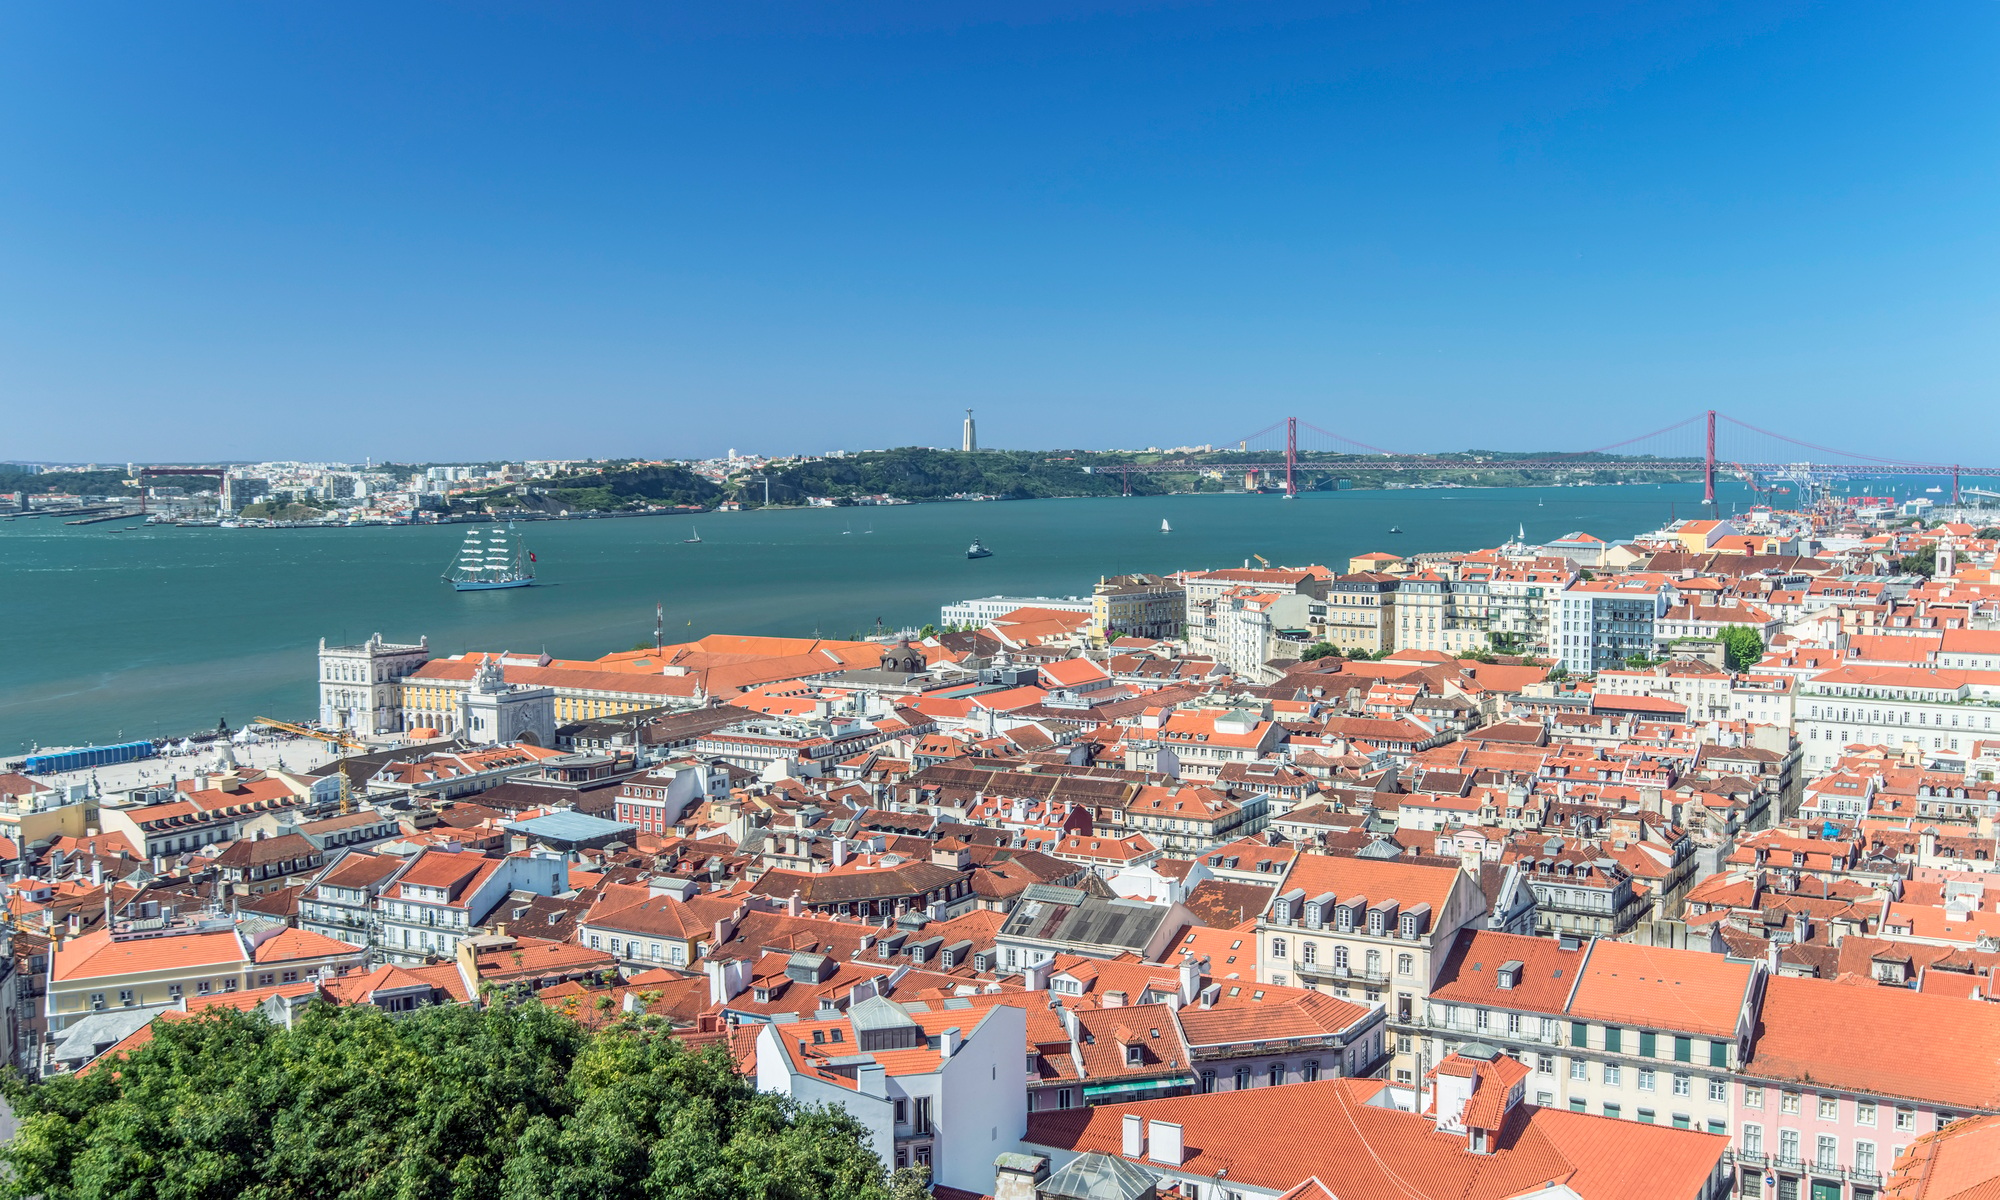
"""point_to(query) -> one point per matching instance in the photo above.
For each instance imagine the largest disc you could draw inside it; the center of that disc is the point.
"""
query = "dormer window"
(1135, 1056)
(1375, 923)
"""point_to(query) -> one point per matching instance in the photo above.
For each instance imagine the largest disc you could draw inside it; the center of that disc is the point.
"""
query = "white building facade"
(360, 686)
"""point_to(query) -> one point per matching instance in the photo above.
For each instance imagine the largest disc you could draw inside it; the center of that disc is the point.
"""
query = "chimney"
(840, 852)
(949, 1041)
(792, 904)
(1166, 1139)
(1134, 1144)
(870, 1079)
(1191, 973)
(1453, 1083)
(726, 979)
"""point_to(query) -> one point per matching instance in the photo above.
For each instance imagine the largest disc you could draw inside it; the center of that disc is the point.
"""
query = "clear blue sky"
(436, 231)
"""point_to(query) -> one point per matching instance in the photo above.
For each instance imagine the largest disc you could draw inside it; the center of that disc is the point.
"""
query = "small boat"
(870, 529)
(977, 551)
(1395, 529)
(693, 538)
(1164, 527)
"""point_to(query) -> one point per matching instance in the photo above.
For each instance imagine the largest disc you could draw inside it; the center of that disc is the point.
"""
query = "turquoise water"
(159, 631)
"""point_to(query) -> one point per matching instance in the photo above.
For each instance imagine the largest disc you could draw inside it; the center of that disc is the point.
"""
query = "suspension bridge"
(1709, 443)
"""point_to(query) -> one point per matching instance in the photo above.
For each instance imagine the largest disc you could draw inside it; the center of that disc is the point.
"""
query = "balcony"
(1340, 974)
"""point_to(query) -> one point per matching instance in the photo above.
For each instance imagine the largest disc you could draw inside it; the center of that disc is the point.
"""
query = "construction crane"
(1260, 558)
(337, 739)
(333, 739)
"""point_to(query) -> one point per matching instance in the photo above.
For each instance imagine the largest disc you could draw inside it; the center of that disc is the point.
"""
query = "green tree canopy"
(451, 1102)
(1319, 650)
(1923, 562)
(1742, 648)
(624, 487)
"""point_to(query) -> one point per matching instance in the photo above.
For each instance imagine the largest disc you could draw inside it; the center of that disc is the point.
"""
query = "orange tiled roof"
(294, 944)
(1329, 1130)
(95, 956)
(1688, 990)
(1409, 884)
(1923, 1047)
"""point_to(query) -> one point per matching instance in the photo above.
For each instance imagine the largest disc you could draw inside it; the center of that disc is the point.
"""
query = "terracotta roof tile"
(1900, 1047)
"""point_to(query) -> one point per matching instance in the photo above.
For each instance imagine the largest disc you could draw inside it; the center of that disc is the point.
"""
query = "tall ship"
(491, 560)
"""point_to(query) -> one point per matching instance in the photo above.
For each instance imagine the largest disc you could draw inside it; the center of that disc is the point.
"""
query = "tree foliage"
(910, 1183)
(1742, 647)
(915, 473)
(79, 483)
(450, 1102)
(1319, 650)
(616, 488)
(1922, 562)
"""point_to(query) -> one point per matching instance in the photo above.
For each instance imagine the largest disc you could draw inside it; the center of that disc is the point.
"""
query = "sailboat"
(490, 561)
(1164, 527)
(693, 538)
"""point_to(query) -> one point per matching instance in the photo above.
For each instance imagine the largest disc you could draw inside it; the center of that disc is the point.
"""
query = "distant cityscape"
(1563, 855)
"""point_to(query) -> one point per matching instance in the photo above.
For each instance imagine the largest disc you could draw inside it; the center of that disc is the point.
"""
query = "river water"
(158, 631)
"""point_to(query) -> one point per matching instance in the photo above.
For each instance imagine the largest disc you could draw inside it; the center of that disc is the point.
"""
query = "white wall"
(983, 1096)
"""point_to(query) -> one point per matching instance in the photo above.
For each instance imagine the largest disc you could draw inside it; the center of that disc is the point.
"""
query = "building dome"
(903, 658)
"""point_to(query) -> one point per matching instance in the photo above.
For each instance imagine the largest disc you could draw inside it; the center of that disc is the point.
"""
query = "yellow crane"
(333, 739)
(1260, 558)
(337, 739)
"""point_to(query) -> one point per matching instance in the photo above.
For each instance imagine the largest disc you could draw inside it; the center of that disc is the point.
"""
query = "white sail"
(492, 559)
